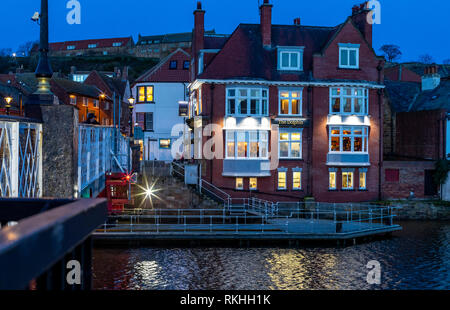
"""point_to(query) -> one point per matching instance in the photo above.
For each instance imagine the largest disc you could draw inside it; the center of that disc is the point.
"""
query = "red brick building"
(308, 96)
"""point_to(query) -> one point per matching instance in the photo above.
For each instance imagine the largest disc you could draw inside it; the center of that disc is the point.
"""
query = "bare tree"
(426, 59)
(5, 52)
(25, 49)
(391, 52)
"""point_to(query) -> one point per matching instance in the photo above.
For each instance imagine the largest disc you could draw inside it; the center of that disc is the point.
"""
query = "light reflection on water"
(416, 258)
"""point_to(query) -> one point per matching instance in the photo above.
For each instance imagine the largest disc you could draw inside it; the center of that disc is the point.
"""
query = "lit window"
(117, 44)
(290, 102)
(362, 180)
(297, 180)
(349, 56)
(347, 180)
(239, 183)
(354, 101)
(247, 144)
(73, 100)
(92, 45)
(71, 47)
(247, 101)
(253, 184)
(173, 65)
(145, 94)
(164, 143)
(349, 139)
(332, 180)
(282, 180)
(290, 144)
(85, 101)
(290, 58)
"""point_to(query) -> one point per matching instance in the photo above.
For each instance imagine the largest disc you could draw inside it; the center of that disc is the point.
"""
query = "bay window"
(247, 144)
(347, 100)
(247, 101)
(348, 139)
(290, 144)
(290, 102)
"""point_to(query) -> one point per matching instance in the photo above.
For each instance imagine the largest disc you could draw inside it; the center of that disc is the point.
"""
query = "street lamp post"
(44, 71)
(131, 100)
(8, 100)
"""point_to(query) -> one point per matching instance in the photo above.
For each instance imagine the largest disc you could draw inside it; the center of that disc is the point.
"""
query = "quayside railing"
(333, 220)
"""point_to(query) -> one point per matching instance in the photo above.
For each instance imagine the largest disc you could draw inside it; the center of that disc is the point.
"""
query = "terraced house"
(311, 96)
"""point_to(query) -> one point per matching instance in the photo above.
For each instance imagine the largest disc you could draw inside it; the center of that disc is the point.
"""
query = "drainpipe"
(213, 86)
(380, 125)
(310, 108)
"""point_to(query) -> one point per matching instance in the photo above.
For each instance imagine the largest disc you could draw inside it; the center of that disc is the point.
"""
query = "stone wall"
(60, 149)
(422, 210)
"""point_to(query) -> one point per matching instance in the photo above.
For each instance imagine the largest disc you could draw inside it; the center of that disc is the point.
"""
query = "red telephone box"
(117, 191)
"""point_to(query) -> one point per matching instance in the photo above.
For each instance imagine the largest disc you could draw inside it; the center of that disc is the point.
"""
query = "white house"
(158, 94)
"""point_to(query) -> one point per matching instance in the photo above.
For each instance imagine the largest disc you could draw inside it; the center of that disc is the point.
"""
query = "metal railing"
(99, 152)
(20, 158)
(338, 220)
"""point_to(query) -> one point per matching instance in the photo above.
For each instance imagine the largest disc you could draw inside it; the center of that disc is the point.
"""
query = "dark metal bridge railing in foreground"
(49, 234)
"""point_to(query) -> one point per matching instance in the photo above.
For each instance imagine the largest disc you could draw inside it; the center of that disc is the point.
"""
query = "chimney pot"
(297, 21)
(199, 5)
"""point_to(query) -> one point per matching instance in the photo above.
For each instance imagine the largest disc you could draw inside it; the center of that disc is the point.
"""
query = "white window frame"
(290, 50)
(362, 172)
(290, 98)
(355, 94)
(348, 172)
(263, 143)
(348, 47)
(71, 47)
(117, 44)
(294, 171)
(290, 141)
(262, 98)
(236, 185)
(353, 135)
(330, 172)
(278, 179)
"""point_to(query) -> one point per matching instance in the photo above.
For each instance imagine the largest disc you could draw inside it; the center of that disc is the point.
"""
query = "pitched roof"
(179, 75)
(77, 88)
(436, 99)
(84, 44)
(169, 38)
(256, 62)
(402, 94)
(419, 68)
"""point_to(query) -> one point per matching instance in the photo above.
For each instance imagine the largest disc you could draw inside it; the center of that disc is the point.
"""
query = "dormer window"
(290, 58)
(348, 56)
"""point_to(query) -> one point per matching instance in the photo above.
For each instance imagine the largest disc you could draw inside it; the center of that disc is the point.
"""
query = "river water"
(416, 258)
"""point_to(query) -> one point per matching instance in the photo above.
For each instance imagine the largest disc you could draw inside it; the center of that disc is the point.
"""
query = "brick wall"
(411, 179)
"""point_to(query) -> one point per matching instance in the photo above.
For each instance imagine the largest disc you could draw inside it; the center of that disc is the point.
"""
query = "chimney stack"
(360, 19)
(431, 78)
(297, 21)
(266, 23)
(199, 34)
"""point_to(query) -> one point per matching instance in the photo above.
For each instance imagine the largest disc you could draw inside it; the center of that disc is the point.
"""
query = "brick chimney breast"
(431, 78)
(266, 23)
(297, 21)
(199, 33)
(359, 18)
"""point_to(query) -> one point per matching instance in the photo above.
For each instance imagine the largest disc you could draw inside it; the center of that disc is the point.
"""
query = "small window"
(165, 143)
(349, 56)
(117, 44)
(297, 180)
(73, 100)
(186, 64)
(95, 103)
(282, 180)
(362, 180)
(173, 65)
(239, 183)
(85, 102)
(148, 121)
(71, 47)
(392, 175)
(332, 180)
(253, 184)
(347, 180)
(92, 45)
(290, 58)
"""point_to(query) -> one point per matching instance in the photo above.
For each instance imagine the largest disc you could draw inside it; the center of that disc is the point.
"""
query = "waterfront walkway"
(197, 225)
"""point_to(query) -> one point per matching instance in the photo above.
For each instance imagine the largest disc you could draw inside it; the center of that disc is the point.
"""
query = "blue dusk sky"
(417, 26)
